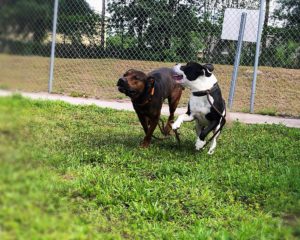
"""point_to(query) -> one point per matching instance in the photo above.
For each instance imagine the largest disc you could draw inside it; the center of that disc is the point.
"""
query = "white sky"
(95, 4)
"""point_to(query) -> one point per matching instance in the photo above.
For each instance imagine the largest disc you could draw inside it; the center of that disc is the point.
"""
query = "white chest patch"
(199, 107)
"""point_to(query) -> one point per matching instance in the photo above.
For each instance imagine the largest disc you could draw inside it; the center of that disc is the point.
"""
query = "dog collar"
(205, 92)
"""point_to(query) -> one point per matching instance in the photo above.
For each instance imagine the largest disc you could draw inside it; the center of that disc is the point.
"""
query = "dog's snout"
(121, 81)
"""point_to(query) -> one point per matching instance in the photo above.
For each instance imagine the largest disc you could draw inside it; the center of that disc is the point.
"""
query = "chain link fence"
(95, 46)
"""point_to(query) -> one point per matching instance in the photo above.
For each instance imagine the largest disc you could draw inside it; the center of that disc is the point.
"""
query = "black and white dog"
(206, 105)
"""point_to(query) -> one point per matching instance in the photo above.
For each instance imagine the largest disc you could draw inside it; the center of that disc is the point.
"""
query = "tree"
(163, 28)
(265, 26)
(117, 9)
(289, 13)
(283, 37)
(76, 19)
(24, 17)
(103, 24)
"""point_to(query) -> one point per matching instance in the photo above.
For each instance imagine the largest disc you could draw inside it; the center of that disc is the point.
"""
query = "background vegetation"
(160, 30)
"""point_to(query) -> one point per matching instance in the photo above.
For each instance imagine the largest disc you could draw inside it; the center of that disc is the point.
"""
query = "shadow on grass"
(94, 148)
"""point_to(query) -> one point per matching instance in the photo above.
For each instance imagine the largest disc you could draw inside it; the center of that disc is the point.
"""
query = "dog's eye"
(136, 78)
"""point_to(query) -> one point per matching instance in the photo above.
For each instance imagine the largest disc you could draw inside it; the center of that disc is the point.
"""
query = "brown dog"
(147, 93)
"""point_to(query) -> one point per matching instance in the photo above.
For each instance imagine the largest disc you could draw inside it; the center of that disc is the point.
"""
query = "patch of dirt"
(277, 89)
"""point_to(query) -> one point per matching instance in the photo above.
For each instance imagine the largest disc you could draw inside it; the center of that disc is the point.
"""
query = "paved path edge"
(126, 105)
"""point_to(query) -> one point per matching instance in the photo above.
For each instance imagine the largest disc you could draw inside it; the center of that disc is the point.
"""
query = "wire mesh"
(24, 44)
(95, 46)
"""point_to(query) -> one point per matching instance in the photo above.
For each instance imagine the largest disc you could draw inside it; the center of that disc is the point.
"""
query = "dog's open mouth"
(121, 89)
(178, 78)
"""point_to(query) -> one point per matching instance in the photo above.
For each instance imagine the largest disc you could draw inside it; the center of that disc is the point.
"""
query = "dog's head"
(194, 75)
(133, 83)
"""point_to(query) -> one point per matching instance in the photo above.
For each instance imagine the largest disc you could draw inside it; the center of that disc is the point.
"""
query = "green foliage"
(78, 94)
(160, 26)
(157, 30)
(289, 11)
(76, 172)
(23, 17)
(268, 111)
(117, 41)
(76, 19)
(287, 53)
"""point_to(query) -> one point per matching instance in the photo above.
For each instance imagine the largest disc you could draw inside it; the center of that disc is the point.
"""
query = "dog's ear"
(129, 71)
(150, 79)
(208, 68)
(149, 82)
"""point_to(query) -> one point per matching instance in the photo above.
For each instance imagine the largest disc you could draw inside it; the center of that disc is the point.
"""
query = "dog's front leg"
(147, 139)
(144, 121)
(182, 118)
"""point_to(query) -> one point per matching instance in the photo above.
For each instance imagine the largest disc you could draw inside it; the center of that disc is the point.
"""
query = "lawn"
(278, 89)
(76, 172)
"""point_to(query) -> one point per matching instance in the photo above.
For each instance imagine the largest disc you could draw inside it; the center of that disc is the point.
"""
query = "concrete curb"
(126, 105)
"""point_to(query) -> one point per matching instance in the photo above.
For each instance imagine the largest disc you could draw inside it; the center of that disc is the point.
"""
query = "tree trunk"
(266, 21)
(103, 25)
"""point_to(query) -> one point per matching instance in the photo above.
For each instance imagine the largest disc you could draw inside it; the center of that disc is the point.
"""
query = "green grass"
(76, 172)
(268, 111)
(78, 94)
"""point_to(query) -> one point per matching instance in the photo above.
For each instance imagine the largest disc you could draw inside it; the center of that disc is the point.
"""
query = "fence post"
(259, 31)
(55, 10)
(237, 59)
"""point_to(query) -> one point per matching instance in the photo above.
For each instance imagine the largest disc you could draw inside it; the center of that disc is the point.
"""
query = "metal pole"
(259, 31)
(50, 83)
(237, 59)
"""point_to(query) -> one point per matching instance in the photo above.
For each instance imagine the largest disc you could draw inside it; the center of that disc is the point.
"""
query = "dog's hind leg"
(214, 141)
(217, 130)
(200, 143)
(199, 128)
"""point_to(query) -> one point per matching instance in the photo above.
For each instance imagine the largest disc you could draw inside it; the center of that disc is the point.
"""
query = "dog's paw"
(167, 129)
(211, 151)
(212, 147)
(175, 125)
(144, 144)
(199, 144)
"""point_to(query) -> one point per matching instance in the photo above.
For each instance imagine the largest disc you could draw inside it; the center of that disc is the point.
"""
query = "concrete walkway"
(126, 105)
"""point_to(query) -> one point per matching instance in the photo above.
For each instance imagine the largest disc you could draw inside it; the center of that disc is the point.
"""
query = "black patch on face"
(208, 69)
(193, 70)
